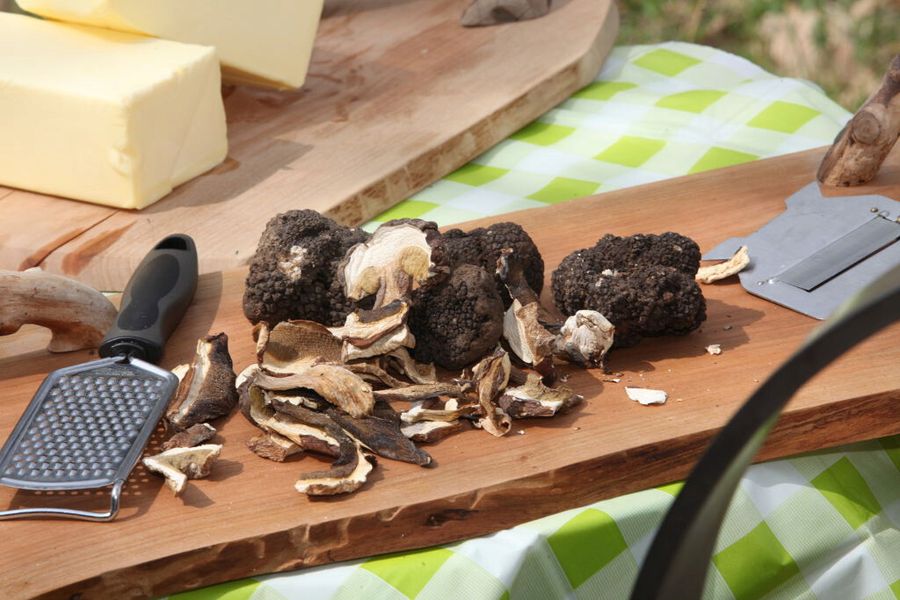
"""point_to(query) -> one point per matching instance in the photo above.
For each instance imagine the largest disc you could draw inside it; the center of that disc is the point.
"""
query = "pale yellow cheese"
(107, 117)
(262, 42)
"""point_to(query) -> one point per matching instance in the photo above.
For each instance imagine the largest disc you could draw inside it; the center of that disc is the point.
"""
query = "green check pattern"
(821, 526)
(654, 112)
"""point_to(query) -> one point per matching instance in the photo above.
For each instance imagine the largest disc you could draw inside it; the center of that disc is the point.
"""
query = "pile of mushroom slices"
(354, 392)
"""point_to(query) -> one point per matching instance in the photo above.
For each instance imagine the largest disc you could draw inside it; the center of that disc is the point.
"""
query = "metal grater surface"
(86, 426)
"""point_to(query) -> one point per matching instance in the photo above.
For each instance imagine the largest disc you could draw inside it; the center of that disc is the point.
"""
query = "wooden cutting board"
(246, 519)
(398, 95)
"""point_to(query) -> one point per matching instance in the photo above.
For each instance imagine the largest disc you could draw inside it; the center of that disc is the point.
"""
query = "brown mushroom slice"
(190, 437)
(491, 376)
(365, 327)
(273, 446)
(431, 431)
(180, 464)
(401, 337)
(404, 364)
(181, 370)
(734, 265)
(413, 393)
(527, 338)
(293, 346)
(534, 399)
(77, 314)
(311, 437)
(208, 389)
(342, 388)
(585, 338)
(451, 412)
(383, 437)
(345, 476)
(390, 264)
(374, 374)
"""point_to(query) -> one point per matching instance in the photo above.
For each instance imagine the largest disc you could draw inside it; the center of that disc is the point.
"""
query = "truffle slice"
(208, 389)
(180, 464)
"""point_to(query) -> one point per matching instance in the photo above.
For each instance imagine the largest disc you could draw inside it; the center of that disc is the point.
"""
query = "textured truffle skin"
(457, 321)
(293, 273)
(644, 284)
(482, 247)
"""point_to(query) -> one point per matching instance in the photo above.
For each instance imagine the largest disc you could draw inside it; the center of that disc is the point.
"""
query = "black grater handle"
(154, 301)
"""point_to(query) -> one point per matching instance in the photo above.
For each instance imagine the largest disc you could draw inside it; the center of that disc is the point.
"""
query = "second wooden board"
(246, 519)
(398, 95)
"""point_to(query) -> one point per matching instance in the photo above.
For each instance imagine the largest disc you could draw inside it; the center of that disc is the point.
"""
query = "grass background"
(844, 46)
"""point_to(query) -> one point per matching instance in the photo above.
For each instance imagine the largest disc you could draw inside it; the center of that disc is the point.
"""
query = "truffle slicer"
(819, 251)
(87, 424)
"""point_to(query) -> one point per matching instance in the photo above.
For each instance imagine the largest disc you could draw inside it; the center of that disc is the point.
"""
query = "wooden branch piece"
(78, 315)
(493, 12)
(867, 139)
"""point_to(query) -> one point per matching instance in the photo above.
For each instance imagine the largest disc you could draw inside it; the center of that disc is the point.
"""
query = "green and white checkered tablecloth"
(823, 525)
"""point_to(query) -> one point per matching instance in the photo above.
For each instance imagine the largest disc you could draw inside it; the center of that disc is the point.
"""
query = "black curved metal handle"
(676, 564)
(154, 301)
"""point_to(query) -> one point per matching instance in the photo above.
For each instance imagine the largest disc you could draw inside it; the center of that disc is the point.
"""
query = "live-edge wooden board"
(247, 519)
(398, 95)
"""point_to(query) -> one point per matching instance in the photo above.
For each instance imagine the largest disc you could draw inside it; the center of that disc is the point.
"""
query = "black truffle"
(644, 285)
(293, 273)
(482, 247)
(457, 321)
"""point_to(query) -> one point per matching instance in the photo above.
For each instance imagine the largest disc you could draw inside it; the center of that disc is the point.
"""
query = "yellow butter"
(107, 117)
(261, 42)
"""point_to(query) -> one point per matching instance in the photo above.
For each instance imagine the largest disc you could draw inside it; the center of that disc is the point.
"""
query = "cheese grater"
(87, 425)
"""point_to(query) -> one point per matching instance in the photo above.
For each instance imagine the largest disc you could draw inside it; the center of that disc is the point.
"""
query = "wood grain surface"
(398, 95)
(246, 519)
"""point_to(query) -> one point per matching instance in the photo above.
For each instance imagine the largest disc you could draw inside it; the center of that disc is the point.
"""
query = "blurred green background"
(843, 46)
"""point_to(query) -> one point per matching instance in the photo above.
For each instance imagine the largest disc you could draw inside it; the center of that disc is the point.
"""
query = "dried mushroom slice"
(585, 338)
(431, 431)
(313, 438)
(403, 363)
(392, 263)
(401, 337)
(294, 346)
(534, 399)
(335, 383)
(273, 446)
(190, 437)
(208, 389)
(451, 411)
(365, 327)
(381, 436)
(732, 266)
(374, 374)
(180, 464)
(527, 338)
(492, 375)
(342, 478)
(413, 393)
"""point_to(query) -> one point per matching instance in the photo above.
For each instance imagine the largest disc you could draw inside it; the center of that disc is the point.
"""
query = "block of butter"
(260, 42)
(107, 117)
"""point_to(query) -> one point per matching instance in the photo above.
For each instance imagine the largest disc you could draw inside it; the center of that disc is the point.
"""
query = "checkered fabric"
(823, 525)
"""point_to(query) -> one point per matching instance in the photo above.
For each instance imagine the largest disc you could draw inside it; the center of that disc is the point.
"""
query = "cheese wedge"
(107, 117)
(260, 42)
